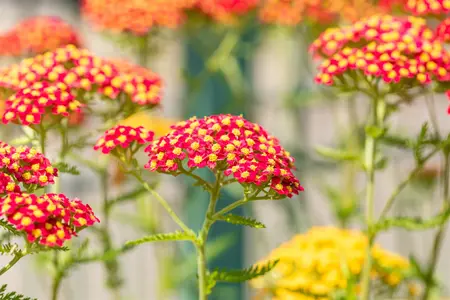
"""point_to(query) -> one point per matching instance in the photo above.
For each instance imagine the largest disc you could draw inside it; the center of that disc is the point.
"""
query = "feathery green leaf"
(337, 154)
(173, 236)
(242, 275)
(64, 167)
(4, 295)
(8, 227)
(240, 220)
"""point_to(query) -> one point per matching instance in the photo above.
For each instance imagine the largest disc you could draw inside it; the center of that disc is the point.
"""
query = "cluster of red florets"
(50, 219)
(230, 144)
(28, 105)
(226, 10)
(123, 136)
(392, 48)
(443, 31)
(25, 165)
(48, 80)
(36, 35)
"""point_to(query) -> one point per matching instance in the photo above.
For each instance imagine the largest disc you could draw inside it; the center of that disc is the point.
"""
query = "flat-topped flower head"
(311, 264)
(42, 99)
(124, 137)
(134, 16)
(428, 7)
(443, 31)
(390, 48)
(228, 144)
(26, 165)
(50, 219)
(44, 33)
(80, 69)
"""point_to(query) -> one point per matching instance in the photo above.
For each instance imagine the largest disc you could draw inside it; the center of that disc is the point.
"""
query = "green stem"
(13, 261)
(202, 265)
(164, 203)
(369, 162)
(56, 285)
(143, 51)
(439, 237)
(111, 265)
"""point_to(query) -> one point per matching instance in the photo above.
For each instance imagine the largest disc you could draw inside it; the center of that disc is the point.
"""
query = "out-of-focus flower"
(50, 219)
(391, 48)
(428, 7)
(44, 33)
(81, 70)
(10, 44)
(26, 165)
(230, 144)
(135, 16)
(226, 10)
(28, 105)
(76, 118)
(123, 136)
(157, 124)
(443, 31)
(311, 265)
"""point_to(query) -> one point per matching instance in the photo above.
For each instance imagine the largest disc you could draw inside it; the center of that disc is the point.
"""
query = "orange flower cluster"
(428, 7)
(50, 219)
(226, 10)
(135, 16)
(123, 136)
(55, 75)
(391, 48)
(25, 165)
(37, 35)
(28, 105)
(230, 144)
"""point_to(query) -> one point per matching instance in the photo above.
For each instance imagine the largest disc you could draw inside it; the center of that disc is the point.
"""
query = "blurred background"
(271, 84)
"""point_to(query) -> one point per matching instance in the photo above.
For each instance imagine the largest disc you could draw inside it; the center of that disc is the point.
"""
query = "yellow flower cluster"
(318, 263)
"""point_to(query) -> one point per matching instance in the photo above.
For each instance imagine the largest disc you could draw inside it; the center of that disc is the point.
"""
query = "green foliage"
(9, 249)
(220, 275)
(411, 223)
(128, 196)
(240, 220)
(5, 295)
(375, 131)
(64, 167)
(8, 227)
(173, 236)
(337, 154)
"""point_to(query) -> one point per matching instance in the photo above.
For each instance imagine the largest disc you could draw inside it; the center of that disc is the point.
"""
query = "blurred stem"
(376, 120)
(202, 265)
(143, 51)
(111, 265)
(12, 262)
(439, 237)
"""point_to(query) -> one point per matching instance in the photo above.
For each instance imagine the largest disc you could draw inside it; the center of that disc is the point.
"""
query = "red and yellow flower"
(230, 144)
(123, 136)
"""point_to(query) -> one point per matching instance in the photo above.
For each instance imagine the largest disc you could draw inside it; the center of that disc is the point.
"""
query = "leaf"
(397, 141)
(8, 227)
(241, 275)
(410, 223)
(64, 167)
(336, 154)
(128, 196)
(173, 236)
(240, 220)
(4, 295)
(9, 249)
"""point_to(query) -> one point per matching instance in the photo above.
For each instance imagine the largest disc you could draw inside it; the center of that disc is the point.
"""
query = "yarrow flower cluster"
(230, 144)
(311, 264)
(391, 48)
(443, 31)
(226, 10)
(428, 7)
(123, 136)
(28, 105)
(25, 165)
(135, 16)
(40, 34)
(50, 219)
(58, 73)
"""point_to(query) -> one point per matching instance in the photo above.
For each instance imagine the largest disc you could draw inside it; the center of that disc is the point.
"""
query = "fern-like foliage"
(64, 167)
(173, 236)
(220, 275)
(5, 295)
(8, 227)
(240, 220)
(409, 223)
(9, 249)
